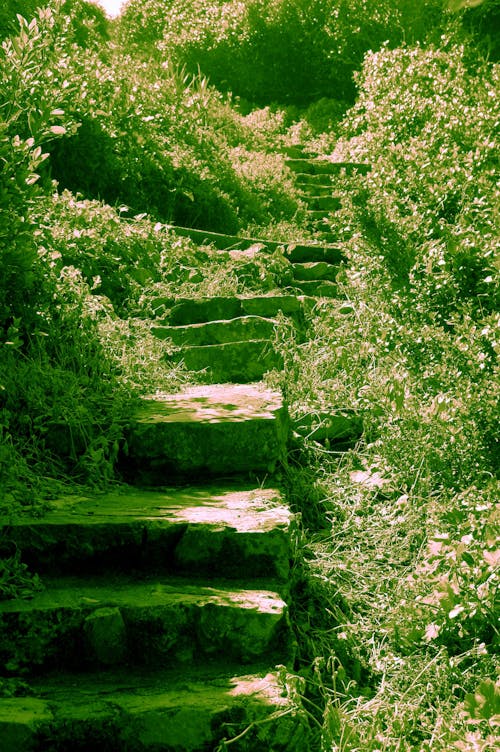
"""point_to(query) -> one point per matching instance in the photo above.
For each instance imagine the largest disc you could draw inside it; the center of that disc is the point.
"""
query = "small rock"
(106, 635)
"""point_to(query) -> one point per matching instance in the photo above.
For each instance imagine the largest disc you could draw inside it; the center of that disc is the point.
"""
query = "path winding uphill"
(164, 622)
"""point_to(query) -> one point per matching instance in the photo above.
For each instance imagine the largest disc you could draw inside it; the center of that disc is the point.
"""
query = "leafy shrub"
(8, 15)
(426, 123)
(286, 50)
(33, 114)
(155, 140)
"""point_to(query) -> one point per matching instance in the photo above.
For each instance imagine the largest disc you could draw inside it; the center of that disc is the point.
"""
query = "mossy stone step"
(217, 430)
(235, 362)
(213, 529)
(188, 711)
(318, 182)
(317, 288)
(327, 252)
(314, 271)
(218, 332)
(317, 166)
(185, 311)
(76, 623)
(317, 215)
(310, 188)
(231, 243)
(326, 202)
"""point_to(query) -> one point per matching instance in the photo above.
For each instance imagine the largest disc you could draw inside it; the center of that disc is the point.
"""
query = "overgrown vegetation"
(395, 603)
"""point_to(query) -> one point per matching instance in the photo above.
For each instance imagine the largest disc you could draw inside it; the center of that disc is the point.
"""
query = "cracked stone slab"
(212, 530)
(82, 622)
(236, 362)
(188, 712)
(210, 430)
(218, 332)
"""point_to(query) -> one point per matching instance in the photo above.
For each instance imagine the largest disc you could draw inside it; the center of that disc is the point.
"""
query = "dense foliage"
(285, 50)
(396, 606)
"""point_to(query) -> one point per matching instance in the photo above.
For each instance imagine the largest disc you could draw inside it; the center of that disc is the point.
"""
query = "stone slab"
(308, 178)
(222, 429)
(214, 530)
(318, 289)
(196, 311)
(316, 215)
(160, 711)
(233, 242)
(218, 332)
(185, 311)
(310, 188)
(76, 623)
(326, 203)
(326, 167)
(315, 270)
(236, 362)
(272, 305)
(20, 720)
(331, 254)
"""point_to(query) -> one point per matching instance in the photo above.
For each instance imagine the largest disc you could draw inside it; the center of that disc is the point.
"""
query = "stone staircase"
(164, 619)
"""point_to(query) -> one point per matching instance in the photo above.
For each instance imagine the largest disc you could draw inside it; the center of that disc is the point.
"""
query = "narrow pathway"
(164, 621)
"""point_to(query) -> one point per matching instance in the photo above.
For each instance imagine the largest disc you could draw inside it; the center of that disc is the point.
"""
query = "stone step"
(191, 711)
(311, 187)
(230, 242)
(317, 182)
(317, 288)
(217, 430)
(327, 236)
(233, 362)
(321, 252)
(314, 271)
(218, 332)
(185, 311)
(218, 529)
(326, 167)
(77, 623)
(316, 216)
(326, 202)
(295, 151)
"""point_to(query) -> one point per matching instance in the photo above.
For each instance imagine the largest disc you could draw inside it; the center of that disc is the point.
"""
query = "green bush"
(426, 122)
(287, 50)
(33, 115)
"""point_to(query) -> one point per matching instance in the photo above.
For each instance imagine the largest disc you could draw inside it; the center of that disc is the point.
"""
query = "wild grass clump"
(409, 568)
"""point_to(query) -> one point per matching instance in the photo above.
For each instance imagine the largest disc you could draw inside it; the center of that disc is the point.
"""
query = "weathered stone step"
(315, 270)
(78, 623)
(222, 530)
(235, 242)
(325, 167)
(295, 151)
(221, 429)
(317, 288)
(234, 362)
(163, 711)
(185, 311)
(218, 332)
(317, 215)
(318, 182)
(326, 202)
(311, 187)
